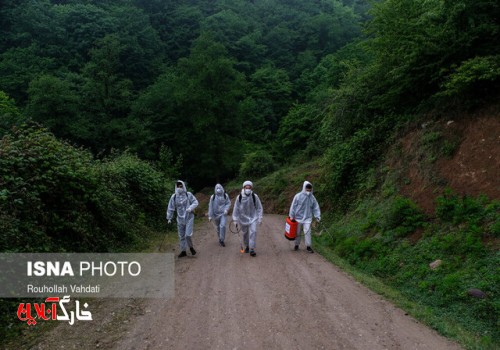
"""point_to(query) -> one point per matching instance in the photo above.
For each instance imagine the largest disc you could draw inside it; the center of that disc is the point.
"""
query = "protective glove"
(260, 222)
(188, 210)
(209, 218)
(318, 219)
(225, 212)
(169, 221)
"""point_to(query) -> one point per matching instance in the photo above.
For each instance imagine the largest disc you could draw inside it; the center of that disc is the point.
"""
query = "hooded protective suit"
(183, 203)
(217, 209)
(248, 212)
(303, 208)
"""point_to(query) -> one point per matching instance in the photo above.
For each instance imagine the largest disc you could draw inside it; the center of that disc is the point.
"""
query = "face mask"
(219, 191)
(179, 190)
(308, 193)
(248, 192)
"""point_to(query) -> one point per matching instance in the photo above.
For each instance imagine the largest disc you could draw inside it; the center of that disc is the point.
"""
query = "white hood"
(304, 187)
(183, 185)
(218, 186)
(247, 183)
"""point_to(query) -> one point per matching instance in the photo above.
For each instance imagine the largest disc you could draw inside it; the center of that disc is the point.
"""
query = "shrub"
(144, 187)
(348, 162)
(473, 76)
(369, 239)
(256, 164)
(403, 216)
(474, 211)
(297, 128)
(55, 197)
(46, 185)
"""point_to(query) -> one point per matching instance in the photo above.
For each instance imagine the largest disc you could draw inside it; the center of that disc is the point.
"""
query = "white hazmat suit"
(248, 213)
(303, 208)
(217, 210)
(183, 203)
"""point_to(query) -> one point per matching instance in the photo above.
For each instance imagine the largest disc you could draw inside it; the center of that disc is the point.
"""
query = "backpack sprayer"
(292, 226)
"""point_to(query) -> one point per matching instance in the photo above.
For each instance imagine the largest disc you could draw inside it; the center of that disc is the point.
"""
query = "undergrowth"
(391, 239)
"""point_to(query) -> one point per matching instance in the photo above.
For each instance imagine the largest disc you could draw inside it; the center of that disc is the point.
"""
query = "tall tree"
(194, 110)
(9, 113)
(54, 103)
(106, 90)
(271, 89)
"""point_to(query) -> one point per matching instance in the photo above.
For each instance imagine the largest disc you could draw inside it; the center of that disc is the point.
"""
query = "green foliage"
(298, 128)
(193, 109)
(257, 164)
(473, 211)
(417, 46)
(347, 161)
(9, 114)
(473, 77)
(430, 144)
(137, 74)
(348, 108)
(375, 238)
(277, 189)
(255, 122)
(232, 30)
(20, 65)
(54, 103)
(136, 183)
(105, 90)
(55, 197)
(168, 164)
(44, 184)
(403, 218)
(271, 89)
(178, 26)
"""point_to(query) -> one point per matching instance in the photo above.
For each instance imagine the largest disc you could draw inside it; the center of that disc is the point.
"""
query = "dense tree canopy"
(209, 80)
(214, 81)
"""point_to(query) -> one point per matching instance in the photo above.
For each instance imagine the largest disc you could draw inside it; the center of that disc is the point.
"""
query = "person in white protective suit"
(302, 210)
(184, 203)
(218, 208)
(248, 213)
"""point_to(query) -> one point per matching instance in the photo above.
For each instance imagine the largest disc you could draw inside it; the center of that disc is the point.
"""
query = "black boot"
(309, 249)
(192, 251)
(182, 254)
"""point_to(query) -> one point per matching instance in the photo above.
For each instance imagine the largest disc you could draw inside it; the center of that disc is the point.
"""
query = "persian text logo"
(42, 312)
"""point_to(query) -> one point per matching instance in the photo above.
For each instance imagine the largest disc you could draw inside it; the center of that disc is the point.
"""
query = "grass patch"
(387, 244)
(421, 312)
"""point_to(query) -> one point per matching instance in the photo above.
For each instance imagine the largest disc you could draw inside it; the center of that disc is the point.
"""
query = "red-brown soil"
(473, 169)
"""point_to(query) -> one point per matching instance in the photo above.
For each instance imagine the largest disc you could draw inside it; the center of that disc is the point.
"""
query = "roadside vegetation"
(104, 104)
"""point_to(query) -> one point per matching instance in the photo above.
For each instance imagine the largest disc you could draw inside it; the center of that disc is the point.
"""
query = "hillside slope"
(433, 197)
(461, 154)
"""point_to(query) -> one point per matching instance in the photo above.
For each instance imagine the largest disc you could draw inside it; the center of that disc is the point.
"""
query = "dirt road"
(280, 299)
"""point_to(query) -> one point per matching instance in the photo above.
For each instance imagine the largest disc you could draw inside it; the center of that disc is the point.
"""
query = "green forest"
(103, 104)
